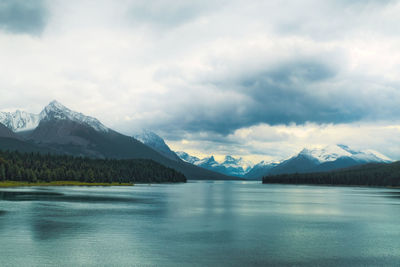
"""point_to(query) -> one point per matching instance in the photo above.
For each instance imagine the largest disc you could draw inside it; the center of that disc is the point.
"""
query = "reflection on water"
(57, 196)
(200, 223)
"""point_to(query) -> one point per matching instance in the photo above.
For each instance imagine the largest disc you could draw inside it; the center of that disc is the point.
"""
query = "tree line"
(34, 167)
(377, 174)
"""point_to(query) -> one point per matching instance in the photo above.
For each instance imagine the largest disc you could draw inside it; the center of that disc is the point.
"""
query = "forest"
(35, 167)
(374, 174)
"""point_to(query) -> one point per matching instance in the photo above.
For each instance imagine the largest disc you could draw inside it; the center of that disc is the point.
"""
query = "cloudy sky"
(257, 79)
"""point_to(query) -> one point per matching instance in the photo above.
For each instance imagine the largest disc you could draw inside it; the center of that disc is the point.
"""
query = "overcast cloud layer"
(233, 77)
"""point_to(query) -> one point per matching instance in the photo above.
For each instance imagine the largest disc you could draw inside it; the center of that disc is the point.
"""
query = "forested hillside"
(378, 174)
(33, 167)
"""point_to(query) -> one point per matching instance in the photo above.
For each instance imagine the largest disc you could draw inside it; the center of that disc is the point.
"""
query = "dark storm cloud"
(23, 16)
(289, 95)
(295, 92)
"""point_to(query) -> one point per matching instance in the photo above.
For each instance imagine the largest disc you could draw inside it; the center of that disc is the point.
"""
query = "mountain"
(303, 162)
(260, 169)
(186, 157)
(11, 141)
(230, 166)
(19, 120)
(236, 166)
(332, 153)
(63, 131)
(154, 141)
(56, 111)
(319, 160)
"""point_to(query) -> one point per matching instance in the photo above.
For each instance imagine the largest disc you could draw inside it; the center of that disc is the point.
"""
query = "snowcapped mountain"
(231, 162)
(154, 141)
(57, 111)
(318, 160)
(230, 166)
(188, 158)
(208, 162)
(19, 121)
(62, 131)
(332, 153)
(307, 160)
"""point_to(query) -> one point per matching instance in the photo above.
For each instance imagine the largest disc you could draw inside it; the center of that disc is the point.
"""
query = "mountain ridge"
(63, 131)
(323, 159)
(20, 121)
(230, 166)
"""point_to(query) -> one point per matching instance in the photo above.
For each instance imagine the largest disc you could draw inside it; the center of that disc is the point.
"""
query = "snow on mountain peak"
(19, 121)
(146, 136)
(188, 158)
(210, 161)
(328, 153)
(232, 162)
(333, 152)
(55, 110)
(154, 141)
(230, 165)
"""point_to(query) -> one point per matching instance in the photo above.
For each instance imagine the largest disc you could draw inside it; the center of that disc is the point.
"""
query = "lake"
(200, 223)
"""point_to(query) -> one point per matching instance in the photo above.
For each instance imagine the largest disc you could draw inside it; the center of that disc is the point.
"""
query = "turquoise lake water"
(200, 224)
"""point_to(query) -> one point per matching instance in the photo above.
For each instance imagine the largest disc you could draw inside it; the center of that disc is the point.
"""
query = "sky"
(255, 79)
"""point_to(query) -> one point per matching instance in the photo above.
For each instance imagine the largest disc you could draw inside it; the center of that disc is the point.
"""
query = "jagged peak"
(333, 152)
(56, 110)
(148, 136)
(22, 121)
(305, 151)
(230, 159)
(54, 106)
(55, 103)
(267, 163)
(19, 120)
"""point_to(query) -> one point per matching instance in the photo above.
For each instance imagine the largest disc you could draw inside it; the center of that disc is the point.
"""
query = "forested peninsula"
(47, 168)
(373, 174)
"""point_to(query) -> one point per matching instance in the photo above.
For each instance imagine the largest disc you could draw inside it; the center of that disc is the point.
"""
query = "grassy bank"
(59, 183)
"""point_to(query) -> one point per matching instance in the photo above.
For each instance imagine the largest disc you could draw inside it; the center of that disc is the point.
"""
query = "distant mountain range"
(59, 130)
(325, 159)
(315, 160)
(308, 160)
(230, 166)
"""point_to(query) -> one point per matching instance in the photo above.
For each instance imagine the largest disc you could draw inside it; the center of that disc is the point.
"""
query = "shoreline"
(4, 184)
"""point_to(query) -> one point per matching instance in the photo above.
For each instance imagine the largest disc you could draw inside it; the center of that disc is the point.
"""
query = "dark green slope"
(5, 132)
(12, 144)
